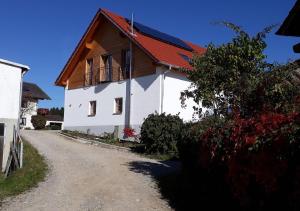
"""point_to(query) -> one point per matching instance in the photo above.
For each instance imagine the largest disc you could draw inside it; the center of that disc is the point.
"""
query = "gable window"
(126, 63)
(107, 61)
(92, 108)
(118, 107)
(89, 72)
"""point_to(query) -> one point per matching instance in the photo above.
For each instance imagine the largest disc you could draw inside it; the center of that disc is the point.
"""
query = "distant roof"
(22, 66)
(290, 26)
(31, 90)
(162, 48)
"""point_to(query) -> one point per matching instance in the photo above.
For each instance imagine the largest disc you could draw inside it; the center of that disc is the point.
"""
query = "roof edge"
(24, 68)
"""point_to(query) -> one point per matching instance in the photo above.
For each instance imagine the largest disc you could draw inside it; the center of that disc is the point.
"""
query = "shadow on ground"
(178, 190)
(165, 175)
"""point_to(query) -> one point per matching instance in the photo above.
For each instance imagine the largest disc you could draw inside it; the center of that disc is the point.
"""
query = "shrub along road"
(84, 177)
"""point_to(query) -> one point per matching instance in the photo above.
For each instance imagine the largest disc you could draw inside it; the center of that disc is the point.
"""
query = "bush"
(188, 145)
(256, 159)
(160, 133)
(38, 122)
(55, 127)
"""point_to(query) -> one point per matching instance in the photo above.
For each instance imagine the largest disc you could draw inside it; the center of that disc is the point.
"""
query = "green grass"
(135, 147)
(34, 171)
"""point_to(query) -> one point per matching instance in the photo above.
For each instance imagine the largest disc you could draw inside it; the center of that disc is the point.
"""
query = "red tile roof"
(161, 51)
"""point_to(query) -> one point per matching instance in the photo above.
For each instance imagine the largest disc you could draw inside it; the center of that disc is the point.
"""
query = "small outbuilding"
(11, 79)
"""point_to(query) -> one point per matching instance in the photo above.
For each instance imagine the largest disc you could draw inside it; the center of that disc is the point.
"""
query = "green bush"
(160, 133)
(55, 127)
(38, 122)
(188, 145)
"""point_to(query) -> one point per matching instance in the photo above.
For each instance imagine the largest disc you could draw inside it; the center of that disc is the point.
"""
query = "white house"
(120, 73)
(31, 95)
(11, 75)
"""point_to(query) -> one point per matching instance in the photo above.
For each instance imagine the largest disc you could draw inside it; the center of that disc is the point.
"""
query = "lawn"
(135, 147)
(34, 170)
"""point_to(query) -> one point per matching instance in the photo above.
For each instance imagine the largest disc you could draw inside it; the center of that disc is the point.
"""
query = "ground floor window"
(118, 107)
(23, 121)
(92, 108)
(2, 127)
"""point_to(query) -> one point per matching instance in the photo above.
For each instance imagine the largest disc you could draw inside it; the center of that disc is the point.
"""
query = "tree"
(57, 111)
(228, 76)
(38, 122)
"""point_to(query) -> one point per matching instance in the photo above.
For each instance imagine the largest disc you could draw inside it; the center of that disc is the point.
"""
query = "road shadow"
(165, 175)
(178, 189)
(154, 169)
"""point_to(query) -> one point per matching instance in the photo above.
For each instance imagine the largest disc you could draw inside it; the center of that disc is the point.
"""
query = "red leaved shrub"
(258, 153)
(129, 132)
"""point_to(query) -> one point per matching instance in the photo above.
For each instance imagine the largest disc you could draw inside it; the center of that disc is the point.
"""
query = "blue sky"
(43, 34)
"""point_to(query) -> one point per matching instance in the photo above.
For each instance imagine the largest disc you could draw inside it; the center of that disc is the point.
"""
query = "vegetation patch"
(34, 171)
(106, 138)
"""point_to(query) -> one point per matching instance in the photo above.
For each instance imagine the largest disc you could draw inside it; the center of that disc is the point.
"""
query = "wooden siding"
(107, 39)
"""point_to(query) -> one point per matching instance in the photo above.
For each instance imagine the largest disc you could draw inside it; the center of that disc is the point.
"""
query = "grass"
(108, 138)
(34, 171)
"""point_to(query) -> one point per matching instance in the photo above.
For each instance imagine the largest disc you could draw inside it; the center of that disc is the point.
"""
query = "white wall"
(174, 84)
(10, 79)
(10, 89)
(145, 100)
(32, 110)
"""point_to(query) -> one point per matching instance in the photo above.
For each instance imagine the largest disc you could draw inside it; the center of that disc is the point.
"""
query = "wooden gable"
(105, 39)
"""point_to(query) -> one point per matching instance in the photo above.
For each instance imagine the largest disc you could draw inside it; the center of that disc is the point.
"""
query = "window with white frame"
(92, 108)
(118, 107)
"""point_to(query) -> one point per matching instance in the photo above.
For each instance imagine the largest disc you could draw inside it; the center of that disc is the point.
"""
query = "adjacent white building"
(11, 76)
(31, 94)
(118, 75)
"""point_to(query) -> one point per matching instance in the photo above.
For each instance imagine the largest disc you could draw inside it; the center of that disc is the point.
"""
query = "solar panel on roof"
(160, 35)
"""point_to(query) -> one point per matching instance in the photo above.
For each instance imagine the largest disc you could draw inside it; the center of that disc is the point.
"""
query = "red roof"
(161, 51)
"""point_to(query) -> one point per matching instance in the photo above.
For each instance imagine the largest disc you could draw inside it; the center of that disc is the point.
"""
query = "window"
(118, 105)
(92, 108)
(24, 104)
(126, 63)
(23, 121)
(2, 131)
(107, 60)
(89, 72)
(2, 127)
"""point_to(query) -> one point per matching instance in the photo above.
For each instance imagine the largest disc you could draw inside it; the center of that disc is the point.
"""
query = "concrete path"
(84, 177)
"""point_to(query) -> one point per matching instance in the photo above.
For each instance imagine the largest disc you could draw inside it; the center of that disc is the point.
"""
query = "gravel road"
(85, 177)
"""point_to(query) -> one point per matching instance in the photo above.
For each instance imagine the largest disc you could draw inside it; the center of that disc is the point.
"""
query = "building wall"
(10, 88)
(32, 107)
(10, 82)
(145, 100)
(174, 84)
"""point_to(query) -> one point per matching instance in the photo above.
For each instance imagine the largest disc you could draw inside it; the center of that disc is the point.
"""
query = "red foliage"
(129, 132)
(254, 148)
